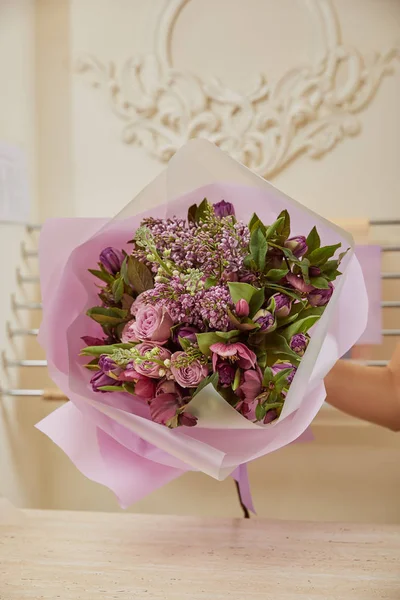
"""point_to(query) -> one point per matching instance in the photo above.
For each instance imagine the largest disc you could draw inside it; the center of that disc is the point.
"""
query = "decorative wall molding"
(308, 110)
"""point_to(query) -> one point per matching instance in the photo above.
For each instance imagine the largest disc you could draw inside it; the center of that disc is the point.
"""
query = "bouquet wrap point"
(110, 437)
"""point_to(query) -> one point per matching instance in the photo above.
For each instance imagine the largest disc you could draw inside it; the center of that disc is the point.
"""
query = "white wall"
(19, 453)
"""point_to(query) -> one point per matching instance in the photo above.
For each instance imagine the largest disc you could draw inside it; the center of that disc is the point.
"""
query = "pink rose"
(187, 374)
(137, 304)
(127, 336)
(154, 367)
(234, 352)
(152, 324)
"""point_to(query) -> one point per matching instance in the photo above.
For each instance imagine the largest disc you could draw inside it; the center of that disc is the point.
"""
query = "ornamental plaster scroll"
(307, 111)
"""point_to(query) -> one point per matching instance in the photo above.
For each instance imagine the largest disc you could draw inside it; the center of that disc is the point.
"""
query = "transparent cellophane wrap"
(110, 437)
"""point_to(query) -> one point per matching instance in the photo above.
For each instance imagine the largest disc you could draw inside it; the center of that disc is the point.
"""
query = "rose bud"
(265, 319)
(224, 209)
(283, 305)
(299, 343)
(320, 297)
(111, 259)
(187, 373)
(100, 379)
(298, 245)
(242, 308)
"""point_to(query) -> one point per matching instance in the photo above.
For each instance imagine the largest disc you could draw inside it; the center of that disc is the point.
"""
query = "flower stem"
(246, 514)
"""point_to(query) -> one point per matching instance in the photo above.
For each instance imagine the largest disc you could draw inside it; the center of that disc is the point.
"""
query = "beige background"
(80, 166)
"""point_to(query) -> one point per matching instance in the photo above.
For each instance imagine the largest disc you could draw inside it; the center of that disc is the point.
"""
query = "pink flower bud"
(242, 308)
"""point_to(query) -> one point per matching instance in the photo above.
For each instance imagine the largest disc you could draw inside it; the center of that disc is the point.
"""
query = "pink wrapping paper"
(111, 439)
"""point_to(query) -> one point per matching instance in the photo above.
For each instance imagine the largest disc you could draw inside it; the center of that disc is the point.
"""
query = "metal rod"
(391, 332)
(14, 332)
(390, 276)
(390, 304)
(376, 363)
(11, 362)
(45, 394)
(379, 222)
(390, 248)
(28, 253)
(21, 279)
(24, 305)
(33, 227)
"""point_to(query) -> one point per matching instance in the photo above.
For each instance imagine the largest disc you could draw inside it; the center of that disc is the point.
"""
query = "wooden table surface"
(93, 556)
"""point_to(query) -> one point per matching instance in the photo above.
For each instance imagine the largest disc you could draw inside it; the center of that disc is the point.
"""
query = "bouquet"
(201, 338)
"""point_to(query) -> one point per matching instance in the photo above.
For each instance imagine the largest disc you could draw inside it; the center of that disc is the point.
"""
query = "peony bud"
(283, 305)
(299, 343)
(265, 319)
(320, 297)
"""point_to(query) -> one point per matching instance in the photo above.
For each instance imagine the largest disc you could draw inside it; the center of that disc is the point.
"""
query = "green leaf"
(342, 255)
(236, 381)
(118, 289)
(255, 222)
(313, 241)
(300, 326)
(319, 282)
(268, 376)
(333, 275)
(283, 290)
(248, 262)
(184, 342)
(258, 248)
(241, 291)
(99, 350)
(319, 256)
(103, 275)
(111, 388)
(304, 267)
(129, 387)
(271, 306)
(276, 344)
(256, 301)
(136, 274)
(284, 229)
(205, 340)
(329, 266)
(192, 213)
(260, 412)
(202, 210)
(107, 316)
(244, 324)
(213, 379)
(227, 335)
(210, 282)
(280, 379)
(276, 225)
(276, 274)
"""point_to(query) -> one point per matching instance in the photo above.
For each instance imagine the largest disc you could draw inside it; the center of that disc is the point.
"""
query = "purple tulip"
(226, 373)
(265, 319)
(224, 209)
(283, 305)
(299, 343)
(100, 379)
(111, 259)
(321, 297)
(298, 245)
(277, 367)
(106, 364)
(186, 332)
(242, 308)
